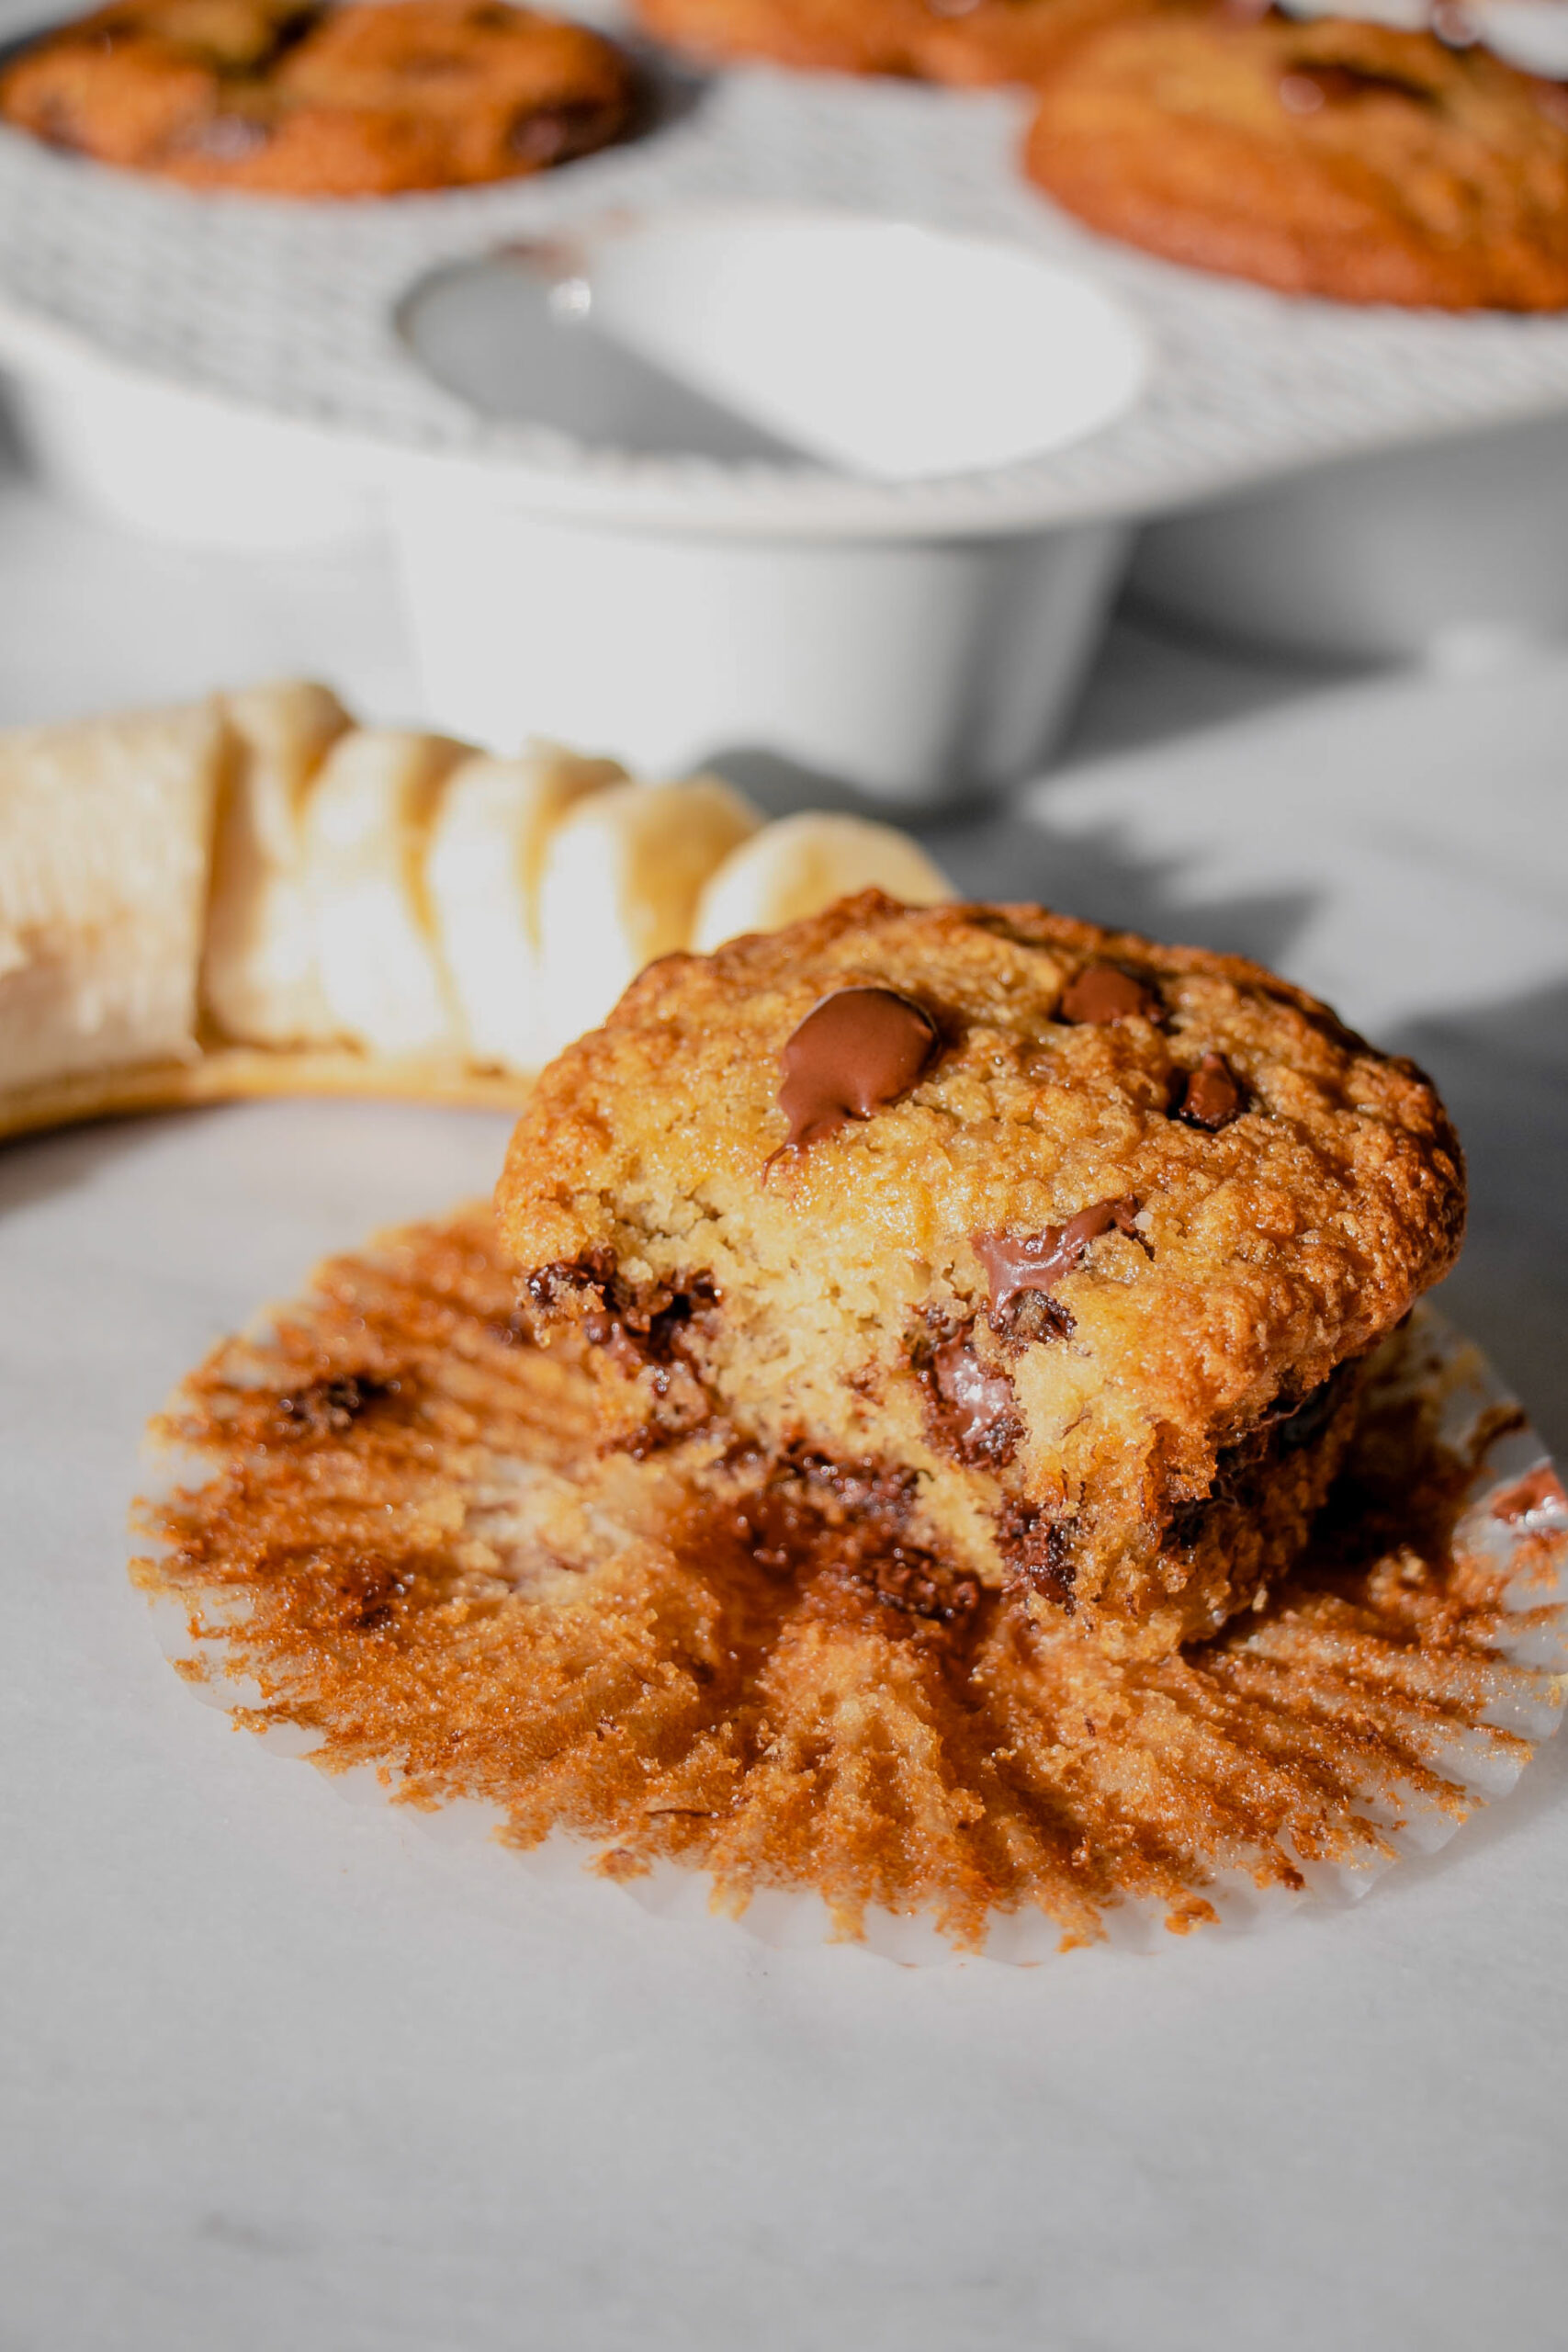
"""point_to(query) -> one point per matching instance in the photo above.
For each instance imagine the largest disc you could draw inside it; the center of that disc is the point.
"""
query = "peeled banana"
(253, 893)
(368, 825)
(261, 975)
(105, 841)
(622, 878)
(488, 848)
(800, 864)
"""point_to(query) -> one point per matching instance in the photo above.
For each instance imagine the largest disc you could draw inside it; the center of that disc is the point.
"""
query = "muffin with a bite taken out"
(1056, 1252)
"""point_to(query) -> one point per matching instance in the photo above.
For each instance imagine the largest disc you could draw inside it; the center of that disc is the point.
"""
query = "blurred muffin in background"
(1333, 157)
(281, 98)
(976, 41)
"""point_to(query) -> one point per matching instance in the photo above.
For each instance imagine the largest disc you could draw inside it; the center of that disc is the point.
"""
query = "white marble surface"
(276, 2070)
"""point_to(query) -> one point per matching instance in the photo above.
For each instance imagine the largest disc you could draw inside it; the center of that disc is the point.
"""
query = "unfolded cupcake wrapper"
(1437, 1745)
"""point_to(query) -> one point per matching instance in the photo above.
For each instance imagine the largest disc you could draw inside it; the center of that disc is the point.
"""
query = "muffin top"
(308, 98)
(1332, 157)
(1221, 1191)
(973, 41)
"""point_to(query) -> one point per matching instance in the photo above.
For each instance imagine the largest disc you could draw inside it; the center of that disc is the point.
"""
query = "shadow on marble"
(1503, 1072)
(35, 1168)
(1100, 877)
(1153, 682)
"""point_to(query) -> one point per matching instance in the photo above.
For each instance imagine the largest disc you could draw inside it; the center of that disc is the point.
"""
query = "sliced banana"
(487, 856)
(105, 849)
(367, 824)
(622, 878)
(261, 977)
(803, 864)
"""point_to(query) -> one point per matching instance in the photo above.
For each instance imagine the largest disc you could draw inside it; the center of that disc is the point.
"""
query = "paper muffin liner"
(1401, 1679)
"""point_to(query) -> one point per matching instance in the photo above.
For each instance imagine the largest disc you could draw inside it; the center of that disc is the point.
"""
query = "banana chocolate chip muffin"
(1058, 1250)
(293, 97)
(1333, 157)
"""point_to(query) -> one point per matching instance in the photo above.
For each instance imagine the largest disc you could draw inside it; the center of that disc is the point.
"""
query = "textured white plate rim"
(784, 1918)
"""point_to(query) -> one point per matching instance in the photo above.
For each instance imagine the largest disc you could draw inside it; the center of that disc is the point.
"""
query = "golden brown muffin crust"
(813, 35)
(992, 41)
(1332, 157)
(1013, 40)
(1188, 1278)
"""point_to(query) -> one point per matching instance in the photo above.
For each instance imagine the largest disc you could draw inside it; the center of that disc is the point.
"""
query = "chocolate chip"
(1312, 87)
(1034, 1261)
(1210, 1096)
(328, 1407)
(856, 1052)
(1032, 1319)
(1302, 94)
(1038, 1550)
(636, 1324)
(229, 138)
(56, 126)
(547, 135)
(1293, 1422)
(839, 1528)
(982, 1402)
(971, 1410)
(1103, 993)
(918, 1584)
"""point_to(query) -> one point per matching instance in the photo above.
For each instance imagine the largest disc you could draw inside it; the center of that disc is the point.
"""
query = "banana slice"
(105, 849)
(259, 977)
(368, 823)
(487, 857)
(621, 882)
(803, 864)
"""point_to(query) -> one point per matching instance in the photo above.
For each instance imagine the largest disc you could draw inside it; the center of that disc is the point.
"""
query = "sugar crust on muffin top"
(1077, 1298)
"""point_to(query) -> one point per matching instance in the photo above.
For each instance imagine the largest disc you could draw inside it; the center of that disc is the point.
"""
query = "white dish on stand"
(907, 660)
(895, 575)
(1453, 552)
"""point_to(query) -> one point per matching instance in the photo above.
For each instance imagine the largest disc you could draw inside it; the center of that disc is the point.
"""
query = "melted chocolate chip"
(1242, 1471)
(328, 1407)
(229, 138)
(857, 1051)
(918, 1584)
(1032, 1319)
(838, 1529)
(1038, 1549)
(1312, 87)
(1292, 1422)
(547, 135)
(638, 1328)
(1210, 1096)
(982, 1403)
(1103, 993)
(973, 1412)
(362, 1597)
(1034, 1261)
(56, 126)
